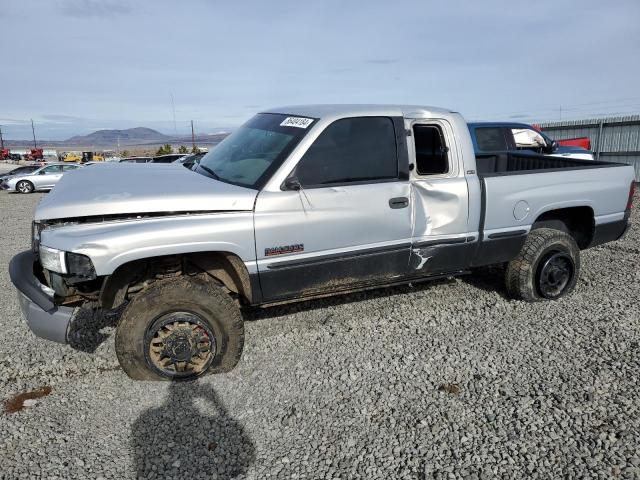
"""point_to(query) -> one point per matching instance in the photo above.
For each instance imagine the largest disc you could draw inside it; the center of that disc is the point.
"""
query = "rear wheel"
(546, 268)
(180, 329)
(24, 186)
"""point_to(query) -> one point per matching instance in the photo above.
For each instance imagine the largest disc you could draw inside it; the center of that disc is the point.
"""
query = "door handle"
(399, 202)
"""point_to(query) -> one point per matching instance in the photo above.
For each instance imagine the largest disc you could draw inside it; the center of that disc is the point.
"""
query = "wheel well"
(576, 221)
(227, 268)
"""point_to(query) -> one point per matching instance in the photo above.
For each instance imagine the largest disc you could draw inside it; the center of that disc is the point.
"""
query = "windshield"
(253, 152)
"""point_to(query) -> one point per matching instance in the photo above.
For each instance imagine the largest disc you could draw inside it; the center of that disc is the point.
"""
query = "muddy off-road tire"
(546, 268)
(179, 329)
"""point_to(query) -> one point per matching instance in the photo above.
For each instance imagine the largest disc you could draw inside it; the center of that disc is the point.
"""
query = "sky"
(75, 66)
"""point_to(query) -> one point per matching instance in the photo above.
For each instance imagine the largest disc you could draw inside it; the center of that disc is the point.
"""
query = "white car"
(43, 178)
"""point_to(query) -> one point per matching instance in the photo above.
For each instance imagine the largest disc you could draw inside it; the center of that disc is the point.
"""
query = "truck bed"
(514, 163)
(515, 191)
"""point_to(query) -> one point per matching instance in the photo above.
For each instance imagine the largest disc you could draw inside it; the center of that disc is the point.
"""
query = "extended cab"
(302, 202)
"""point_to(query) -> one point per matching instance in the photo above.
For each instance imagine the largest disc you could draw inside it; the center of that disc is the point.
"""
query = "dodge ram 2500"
(301, 202)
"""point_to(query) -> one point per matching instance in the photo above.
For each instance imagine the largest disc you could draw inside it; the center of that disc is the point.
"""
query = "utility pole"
(193, 138)
(173, 107)
(1, 139)
(33, 130)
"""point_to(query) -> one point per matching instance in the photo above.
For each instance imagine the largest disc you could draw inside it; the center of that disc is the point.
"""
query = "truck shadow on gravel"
(489, 279)
(178, 440)
(87, 330)
(90, 329)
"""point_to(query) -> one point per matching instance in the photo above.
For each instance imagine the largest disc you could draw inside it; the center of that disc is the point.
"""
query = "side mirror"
(292, 183)
(42, 173)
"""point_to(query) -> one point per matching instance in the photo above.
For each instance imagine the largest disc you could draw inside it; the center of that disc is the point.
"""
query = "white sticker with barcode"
(298, 122)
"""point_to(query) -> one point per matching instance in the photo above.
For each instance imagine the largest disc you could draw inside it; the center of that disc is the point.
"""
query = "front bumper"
(45, 319)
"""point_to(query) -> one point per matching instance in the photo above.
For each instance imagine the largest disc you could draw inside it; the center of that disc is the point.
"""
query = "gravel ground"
(444, 380)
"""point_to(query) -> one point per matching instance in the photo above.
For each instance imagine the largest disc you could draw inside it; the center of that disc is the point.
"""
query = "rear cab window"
(432, 156)
(351, 150)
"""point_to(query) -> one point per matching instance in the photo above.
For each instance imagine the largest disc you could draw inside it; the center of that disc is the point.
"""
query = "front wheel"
(546, 268)
(179, 329)
(24, 186)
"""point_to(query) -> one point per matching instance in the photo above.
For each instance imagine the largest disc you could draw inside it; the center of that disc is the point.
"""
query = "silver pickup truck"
(302, 202)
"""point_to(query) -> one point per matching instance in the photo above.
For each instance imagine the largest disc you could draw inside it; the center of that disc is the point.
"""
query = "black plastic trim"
(256, 289)
(336, 257)
(362, 288)
(444, 241)
(499, 250)
(513, 233)
(395, 264)
(22, 276)
(589, 164)
(402, 150)
(609, 232)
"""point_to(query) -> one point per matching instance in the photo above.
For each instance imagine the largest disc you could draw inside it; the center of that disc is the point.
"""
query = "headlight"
(52, 259)
(80, 266)
(59, 261)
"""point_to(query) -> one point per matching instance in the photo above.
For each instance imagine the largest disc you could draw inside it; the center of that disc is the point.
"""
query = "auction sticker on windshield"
(299, 122)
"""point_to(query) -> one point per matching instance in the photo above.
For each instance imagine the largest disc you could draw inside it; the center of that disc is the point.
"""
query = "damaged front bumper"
(45, 319)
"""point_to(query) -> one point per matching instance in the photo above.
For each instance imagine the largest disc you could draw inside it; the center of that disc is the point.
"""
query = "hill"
(130, 136)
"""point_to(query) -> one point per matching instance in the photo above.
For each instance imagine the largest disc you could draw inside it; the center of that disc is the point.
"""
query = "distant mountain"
(130, 136)
(132, 139)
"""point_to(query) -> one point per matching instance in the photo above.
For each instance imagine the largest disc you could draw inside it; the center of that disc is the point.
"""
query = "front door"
(342, 220)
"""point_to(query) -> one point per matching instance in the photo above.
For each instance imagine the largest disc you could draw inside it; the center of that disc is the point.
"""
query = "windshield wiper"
(208, 170)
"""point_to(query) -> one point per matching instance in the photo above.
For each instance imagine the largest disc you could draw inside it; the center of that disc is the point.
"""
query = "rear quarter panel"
(605, 190)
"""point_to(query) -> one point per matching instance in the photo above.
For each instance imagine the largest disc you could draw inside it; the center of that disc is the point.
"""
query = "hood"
(121, 189)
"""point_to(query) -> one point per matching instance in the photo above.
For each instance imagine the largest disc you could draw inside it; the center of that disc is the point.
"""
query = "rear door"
(442, 242)
(349, 224)
(48, 176)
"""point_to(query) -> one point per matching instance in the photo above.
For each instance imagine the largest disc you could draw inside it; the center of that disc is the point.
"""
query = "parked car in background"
(44, 178)
(188, 161)
(169, 158)
(491, 138)
(24, 170)
(135, 160)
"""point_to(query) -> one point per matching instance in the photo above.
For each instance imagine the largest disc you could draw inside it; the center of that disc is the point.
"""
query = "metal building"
(614, 139)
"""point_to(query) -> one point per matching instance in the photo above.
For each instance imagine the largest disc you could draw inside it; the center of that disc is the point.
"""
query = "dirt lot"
(444, 380)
